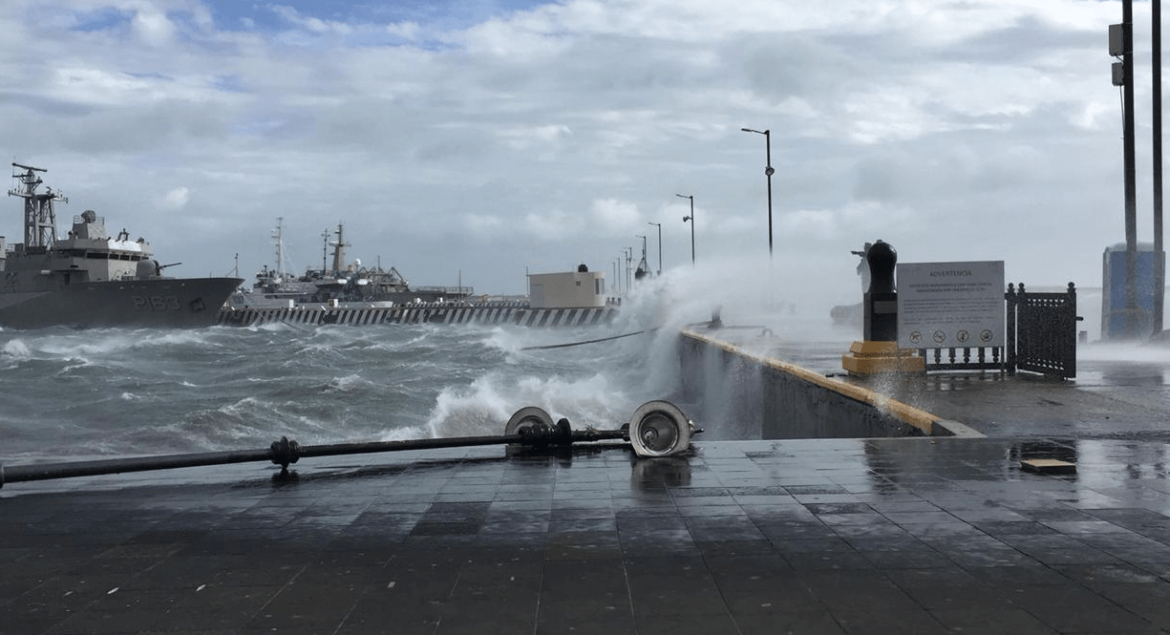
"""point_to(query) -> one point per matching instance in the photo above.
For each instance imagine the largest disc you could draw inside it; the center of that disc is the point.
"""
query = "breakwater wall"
(519, 314)
(748, 394)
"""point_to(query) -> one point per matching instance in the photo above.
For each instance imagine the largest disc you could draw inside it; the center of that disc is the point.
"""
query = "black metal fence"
(1046, 336)
(1041, 337)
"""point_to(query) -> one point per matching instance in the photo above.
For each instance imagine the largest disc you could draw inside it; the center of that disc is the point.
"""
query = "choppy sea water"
(129, 392)
(121, 392)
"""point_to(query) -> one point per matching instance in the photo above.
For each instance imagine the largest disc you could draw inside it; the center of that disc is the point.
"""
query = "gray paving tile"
(810, 622)
(965, 544)
(983, 620)
(688, 624)
(1074, 609)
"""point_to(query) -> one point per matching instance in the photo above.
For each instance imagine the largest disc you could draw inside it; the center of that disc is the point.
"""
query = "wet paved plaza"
(917, 535)
(806, 536)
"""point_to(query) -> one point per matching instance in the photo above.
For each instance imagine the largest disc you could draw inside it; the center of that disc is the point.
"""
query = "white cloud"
(553, 135)
(540, 138)
(404, 30)
(152, 26)
(175, 200)
(482, 225)
(554, 225)
(612, 215)
(310, 24)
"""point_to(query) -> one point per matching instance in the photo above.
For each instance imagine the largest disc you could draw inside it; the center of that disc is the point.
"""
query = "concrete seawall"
(751, 393)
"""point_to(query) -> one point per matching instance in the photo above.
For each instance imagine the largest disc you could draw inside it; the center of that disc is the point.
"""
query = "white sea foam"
(508, 340)
(102, 345)
(591, 400)
(471, 410)
(164, 338)
(17, 348)
(408, 433)
(350, 383)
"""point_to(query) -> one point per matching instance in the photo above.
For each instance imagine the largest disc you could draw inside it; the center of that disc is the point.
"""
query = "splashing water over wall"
(110, 391)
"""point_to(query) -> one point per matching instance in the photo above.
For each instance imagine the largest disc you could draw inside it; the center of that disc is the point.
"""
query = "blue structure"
(1113, 291)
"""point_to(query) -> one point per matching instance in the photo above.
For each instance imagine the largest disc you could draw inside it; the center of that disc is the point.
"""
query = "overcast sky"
(487, 138)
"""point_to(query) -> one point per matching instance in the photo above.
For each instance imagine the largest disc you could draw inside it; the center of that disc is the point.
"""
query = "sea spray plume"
(1131, 351)
(688, 296)
(588, 384)
(586, 396)
(17, 349)
(790, 317)
(509, 340)
(474, 410)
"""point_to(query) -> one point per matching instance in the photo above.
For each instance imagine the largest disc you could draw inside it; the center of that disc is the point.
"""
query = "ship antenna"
(278, 241)
(339, 250)
(40, 220)
(324, 253)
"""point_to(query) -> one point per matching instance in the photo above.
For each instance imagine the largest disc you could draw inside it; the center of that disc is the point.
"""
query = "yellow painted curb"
(906, 413)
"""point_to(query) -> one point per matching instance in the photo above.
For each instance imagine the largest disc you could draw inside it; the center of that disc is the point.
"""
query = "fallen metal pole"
(286, 451)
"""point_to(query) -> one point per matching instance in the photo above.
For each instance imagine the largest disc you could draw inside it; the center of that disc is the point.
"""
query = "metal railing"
(1041, 337)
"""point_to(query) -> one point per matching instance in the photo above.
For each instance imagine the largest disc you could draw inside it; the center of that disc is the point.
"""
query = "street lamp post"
(659, 247)
(629, 251)
(768, 171)
(690, 218)
(643, 257)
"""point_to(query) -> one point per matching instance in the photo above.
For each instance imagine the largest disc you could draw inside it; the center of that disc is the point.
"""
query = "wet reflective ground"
(1119, 392)
(916, 535)
(809, 536)
(1108, 399)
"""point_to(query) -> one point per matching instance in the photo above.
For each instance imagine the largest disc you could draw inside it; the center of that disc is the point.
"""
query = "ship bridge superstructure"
(88, 253)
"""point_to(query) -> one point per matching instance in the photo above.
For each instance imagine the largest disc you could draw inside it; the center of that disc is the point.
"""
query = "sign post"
(951, 305)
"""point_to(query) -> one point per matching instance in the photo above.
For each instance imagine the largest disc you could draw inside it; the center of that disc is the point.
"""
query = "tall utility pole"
(1121, 45)
(629, 251)
(1159, 255)
(659, 247)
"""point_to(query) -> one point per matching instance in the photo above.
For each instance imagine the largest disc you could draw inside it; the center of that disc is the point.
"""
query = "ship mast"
(324, 253)
(278, 243)
(40, 221)
(339, 250)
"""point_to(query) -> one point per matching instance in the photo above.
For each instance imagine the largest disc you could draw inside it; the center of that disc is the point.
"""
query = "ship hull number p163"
(156, 303)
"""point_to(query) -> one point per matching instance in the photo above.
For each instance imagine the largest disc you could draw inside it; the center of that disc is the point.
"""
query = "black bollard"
(881, 300)
(878, 353)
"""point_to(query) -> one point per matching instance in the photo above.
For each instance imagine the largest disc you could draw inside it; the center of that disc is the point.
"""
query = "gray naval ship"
(90, 278)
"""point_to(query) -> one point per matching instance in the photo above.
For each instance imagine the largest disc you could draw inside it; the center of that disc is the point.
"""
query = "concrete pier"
(921, 534)
(360, 314)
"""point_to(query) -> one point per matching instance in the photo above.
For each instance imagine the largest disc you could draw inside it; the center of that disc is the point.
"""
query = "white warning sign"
(950, 304)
